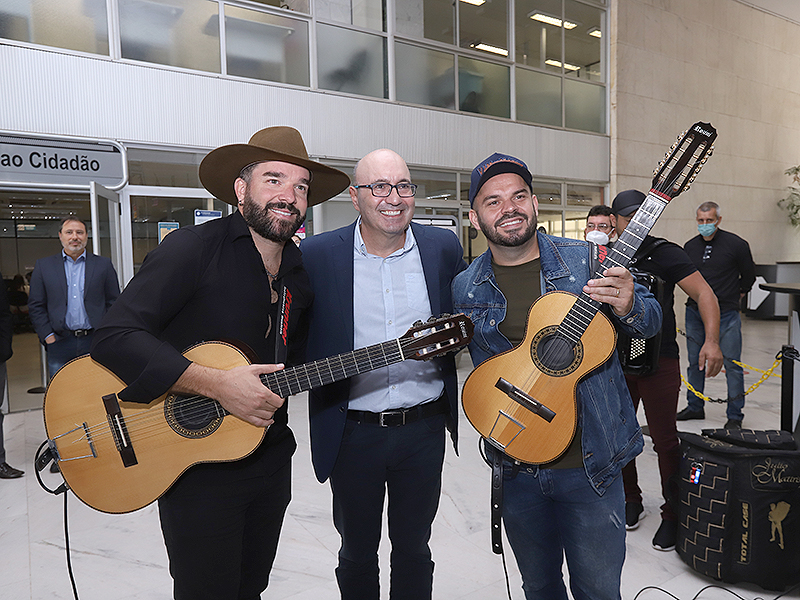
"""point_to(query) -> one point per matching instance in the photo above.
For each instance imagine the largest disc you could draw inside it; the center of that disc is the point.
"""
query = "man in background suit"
(70, 293)
(382, 430)
(6, 333)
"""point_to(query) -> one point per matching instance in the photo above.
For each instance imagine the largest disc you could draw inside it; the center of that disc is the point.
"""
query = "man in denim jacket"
(574, 505)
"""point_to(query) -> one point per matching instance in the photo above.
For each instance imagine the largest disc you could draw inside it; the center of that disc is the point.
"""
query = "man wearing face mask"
(599, 227)
(725, 261)
(659, 390)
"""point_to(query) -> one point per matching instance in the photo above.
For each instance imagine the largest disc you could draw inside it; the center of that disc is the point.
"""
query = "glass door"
(106, 228)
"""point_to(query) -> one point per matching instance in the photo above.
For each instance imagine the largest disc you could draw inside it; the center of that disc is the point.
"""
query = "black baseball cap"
(626, 203)
(497, 164)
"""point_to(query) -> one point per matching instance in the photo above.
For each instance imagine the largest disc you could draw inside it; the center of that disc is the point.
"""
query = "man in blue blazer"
(70, 293)
(382, 430)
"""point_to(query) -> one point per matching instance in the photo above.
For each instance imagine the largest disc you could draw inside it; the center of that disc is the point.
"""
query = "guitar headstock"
(437, 337)
(684, 160)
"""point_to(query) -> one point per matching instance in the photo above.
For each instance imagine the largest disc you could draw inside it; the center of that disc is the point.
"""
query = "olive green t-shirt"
(521, 285)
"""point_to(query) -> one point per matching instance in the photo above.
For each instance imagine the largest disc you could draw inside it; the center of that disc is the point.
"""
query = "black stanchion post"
(787, 388)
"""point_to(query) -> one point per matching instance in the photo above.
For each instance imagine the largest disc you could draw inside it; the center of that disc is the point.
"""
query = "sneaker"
(687, 414)
(666, 536)
(633, 514)
(733, 424)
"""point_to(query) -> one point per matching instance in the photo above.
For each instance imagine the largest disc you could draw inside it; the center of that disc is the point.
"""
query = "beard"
(494, 234)
(264, 224)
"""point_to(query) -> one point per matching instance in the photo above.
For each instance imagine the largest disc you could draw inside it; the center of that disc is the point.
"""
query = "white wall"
(674, 63)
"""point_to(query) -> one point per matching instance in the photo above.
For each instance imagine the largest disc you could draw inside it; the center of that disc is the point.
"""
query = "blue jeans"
(549, 513)
(730, 342)
(64, 349)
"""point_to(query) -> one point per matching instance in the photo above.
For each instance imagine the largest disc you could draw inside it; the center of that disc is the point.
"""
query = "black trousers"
(406, 462)
(221, 524)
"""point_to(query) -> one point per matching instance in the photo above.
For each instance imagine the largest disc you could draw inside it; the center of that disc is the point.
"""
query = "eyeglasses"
(600, 226)
(382, 190)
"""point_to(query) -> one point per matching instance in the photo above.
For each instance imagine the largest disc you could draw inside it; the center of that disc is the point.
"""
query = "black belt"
(402, 416)
(79, 332)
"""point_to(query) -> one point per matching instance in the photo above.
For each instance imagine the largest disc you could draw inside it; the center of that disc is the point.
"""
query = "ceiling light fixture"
(595, 32)
(567, 66)
(550, 20)
(474, 2)
(492, 49)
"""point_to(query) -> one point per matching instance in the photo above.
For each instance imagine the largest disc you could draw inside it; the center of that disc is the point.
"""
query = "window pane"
(582, 43)
(484, 27)
(263, 46)
(362, 13)
(585, 196)
(351, 61)
(73, 25)
(180, 33)
(538, 33)
(547, 193)
(164, 168)
(296, 5)
(538, 97)
(551, 221)
(428, 19)
(483, 87)
(425, 76)
(434, 185)
(585, 106)
(574, 224)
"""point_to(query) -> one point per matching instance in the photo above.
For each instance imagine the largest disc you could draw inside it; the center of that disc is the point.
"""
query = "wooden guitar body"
(167, 436)
(545, 372)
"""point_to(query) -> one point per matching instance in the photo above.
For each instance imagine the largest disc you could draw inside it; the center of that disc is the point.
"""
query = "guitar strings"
(141, 424)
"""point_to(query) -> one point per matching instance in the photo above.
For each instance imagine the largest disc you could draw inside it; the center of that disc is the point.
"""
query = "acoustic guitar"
(523, 401)
(119, 456)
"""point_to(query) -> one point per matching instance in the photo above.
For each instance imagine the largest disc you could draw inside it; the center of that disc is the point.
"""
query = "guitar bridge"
(119, 430)
(520, 397)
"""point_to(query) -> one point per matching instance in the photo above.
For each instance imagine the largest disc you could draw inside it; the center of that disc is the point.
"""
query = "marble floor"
(122, 557)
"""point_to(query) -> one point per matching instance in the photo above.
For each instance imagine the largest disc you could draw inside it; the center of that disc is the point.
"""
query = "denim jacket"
(610, 433)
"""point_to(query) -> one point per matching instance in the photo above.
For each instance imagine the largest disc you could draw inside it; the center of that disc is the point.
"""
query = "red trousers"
(659, 395)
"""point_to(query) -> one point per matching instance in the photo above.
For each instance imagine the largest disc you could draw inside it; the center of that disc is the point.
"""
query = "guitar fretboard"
(335, 368)
(583, 311)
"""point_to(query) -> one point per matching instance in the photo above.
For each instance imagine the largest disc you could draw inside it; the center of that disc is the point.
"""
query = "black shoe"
(9, 472)
(633, 514)
(666, 536)
(54, 467)
(733, 424)
(687, 414)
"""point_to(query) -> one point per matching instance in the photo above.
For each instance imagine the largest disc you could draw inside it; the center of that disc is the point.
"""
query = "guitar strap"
(282, 332)
(495, 459)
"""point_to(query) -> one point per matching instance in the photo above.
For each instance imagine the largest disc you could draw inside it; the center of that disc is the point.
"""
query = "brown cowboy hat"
(221, 167)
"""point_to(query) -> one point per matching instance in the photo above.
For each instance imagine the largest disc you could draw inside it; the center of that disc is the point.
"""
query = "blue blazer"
(47, 302)
(328, 258)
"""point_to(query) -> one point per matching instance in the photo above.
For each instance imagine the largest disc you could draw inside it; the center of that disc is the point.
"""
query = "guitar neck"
(335, 368)
(583, 311)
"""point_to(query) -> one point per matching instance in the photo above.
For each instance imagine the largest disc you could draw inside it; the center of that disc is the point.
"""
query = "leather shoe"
(733, 424)
(687, 414)
(9, 472)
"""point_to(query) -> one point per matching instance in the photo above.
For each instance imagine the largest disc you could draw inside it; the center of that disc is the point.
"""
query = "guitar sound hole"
(193, 416)
(555, 355)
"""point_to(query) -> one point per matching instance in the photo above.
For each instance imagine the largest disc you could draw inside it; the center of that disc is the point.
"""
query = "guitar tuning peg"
(417, 324)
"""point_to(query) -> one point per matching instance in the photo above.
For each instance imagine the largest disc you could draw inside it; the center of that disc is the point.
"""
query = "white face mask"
(598, 237)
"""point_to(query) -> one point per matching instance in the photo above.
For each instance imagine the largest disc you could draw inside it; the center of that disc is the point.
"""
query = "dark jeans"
(221, 525)
(659, 393)
(64, 349)
(407, 462)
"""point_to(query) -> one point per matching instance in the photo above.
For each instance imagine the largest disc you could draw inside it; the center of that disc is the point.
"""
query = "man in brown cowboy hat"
(234, 278)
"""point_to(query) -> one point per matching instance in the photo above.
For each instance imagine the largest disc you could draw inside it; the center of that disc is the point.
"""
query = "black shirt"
(727, 265)
(671, 263)
(202, 283)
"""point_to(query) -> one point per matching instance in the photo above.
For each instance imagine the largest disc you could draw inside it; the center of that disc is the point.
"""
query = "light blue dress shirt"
(389, 296)
(75, 271)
